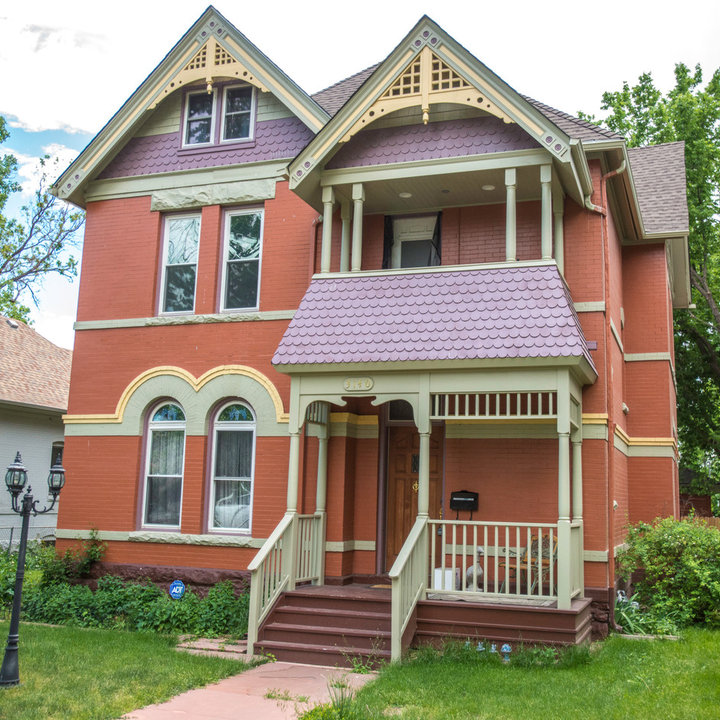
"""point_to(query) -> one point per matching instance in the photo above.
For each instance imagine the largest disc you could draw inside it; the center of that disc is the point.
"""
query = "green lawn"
(655, 680)
(74, 673)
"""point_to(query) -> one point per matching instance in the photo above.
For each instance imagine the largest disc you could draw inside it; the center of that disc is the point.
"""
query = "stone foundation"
(600, 608)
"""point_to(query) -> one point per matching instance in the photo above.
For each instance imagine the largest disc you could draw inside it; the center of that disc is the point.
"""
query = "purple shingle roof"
(449, 138)
(488, 313)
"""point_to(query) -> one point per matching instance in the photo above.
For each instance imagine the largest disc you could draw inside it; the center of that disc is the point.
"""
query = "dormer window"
(235, 107)
(199, 118)
(237, 113)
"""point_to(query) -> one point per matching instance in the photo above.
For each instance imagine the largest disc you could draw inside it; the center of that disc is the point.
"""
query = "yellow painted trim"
(389, 78)
(645, 441)
(195, 383)
(352, 419)
(594, 419)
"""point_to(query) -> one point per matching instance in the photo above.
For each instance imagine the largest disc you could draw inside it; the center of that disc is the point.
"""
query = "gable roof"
(517, 312)
(212, 47)
(33, 371)
(332, 98)
(661, 186)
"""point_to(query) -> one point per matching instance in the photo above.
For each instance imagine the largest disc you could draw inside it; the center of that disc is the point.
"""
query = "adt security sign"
(177, 589)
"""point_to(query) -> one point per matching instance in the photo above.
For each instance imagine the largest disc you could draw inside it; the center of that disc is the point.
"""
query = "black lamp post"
(15, 479)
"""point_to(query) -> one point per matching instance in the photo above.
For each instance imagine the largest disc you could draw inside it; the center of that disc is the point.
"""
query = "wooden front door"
(402, 484)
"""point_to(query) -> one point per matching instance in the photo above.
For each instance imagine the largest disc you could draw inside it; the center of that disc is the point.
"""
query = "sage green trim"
(620, 547)
(195, 196)
(434, 166)
(500, 430)
(595, 432)
(616, 335)
(350, 545)
(646, 451)
(141, 185)
(264, 315)
(594, 306)
(66, 534)
(596, 556)
(197, 404)
(642, 357)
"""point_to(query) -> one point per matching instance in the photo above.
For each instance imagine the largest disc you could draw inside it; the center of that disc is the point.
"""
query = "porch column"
(564, 554)
(321, 491)
(546, 211)
(345, 237)
(510, 215)
(424, 475)
(293, 472)
(328, 199)
(358, 196)
(558, 208)
(578, 548)
(577, 488)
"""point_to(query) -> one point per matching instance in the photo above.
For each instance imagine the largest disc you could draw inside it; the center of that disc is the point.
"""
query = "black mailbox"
(464, 500)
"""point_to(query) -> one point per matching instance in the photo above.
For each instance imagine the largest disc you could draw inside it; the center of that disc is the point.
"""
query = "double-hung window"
(233, 467)
(235, 105)
(243, 244)
(180, 252)
(165, 455)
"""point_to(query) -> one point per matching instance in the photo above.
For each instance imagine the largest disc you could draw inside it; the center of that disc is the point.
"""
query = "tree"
(689, 112)
(38, 244)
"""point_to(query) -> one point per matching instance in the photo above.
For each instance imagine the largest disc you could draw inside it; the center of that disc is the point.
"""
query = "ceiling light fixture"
(488, 188)
(405, 195)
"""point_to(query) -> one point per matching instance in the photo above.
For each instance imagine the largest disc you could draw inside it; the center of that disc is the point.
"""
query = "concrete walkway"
(274, 691)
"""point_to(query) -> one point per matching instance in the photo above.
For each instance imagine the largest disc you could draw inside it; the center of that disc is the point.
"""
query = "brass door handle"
(415, 486)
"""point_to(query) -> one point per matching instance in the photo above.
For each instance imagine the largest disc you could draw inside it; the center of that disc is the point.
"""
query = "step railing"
(409, 581)
(499, 559)
(293, 553)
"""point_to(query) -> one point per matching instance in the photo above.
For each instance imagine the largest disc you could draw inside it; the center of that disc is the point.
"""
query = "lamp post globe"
(15, 480)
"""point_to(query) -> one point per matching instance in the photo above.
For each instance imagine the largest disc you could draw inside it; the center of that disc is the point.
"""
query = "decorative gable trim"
(426, 68)
(211, 49)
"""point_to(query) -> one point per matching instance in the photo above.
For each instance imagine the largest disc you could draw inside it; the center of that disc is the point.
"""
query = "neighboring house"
(34, 383)
(305, 324)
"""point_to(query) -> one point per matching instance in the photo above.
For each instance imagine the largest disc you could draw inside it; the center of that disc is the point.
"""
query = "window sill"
(216, 147)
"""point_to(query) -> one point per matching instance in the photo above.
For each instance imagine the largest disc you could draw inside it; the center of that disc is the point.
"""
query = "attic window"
(234, 105)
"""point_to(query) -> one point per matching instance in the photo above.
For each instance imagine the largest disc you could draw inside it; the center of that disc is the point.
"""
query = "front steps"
(346, 626)
(349, 626)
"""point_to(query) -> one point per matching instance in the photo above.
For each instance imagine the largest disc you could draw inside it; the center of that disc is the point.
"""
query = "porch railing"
(494, 558)
(293, 553)
(409, 581)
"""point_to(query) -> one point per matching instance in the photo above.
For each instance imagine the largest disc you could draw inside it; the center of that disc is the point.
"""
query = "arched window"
(233, 467)
(165, 455)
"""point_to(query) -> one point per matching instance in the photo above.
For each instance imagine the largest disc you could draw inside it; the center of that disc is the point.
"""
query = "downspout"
(314, 242)
(609, 383)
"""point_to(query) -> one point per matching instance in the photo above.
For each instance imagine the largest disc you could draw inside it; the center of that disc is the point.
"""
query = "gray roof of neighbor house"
(33, 371)
(659, 174)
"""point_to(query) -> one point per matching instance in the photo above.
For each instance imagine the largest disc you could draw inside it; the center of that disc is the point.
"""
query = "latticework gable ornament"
(426, 81)
(212, 62)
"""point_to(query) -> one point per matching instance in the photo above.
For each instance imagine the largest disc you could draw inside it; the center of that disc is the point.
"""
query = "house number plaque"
(358, 384)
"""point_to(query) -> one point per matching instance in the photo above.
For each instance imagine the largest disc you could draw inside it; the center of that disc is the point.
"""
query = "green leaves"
(38, 243)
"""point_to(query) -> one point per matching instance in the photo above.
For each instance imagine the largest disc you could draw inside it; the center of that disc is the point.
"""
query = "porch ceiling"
(473, 313)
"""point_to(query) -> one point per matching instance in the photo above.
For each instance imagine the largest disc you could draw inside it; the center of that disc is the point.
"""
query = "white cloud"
(30, 169)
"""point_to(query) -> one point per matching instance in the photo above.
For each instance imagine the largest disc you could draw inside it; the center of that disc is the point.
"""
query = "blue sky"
(67, 67)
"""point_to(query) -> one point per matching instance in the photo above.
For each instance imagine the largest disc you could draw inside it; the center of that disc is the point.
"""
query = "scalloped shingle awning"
(511, 312)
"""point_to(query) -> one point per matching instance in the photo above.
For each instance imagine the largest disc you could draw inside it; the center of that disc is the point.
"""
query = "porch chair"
(528, 560)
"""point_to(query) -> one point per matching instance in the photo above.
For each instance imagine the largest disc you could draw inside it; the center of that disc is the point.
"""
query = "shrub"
(138, 606)
(680, 569)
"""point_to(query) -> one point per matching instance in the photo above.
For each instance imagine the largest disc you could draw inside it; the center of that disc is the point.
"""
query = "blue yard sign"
(177, 589)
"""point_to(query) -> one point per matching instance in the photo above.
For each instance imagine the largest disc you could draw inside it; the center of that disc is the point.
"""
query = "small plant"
(285, 696)
(633, 619)
(73, 563)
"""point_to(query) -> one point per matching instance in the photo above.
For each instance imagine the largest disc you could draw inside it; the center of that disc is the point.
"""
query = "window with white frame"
(237, 113)
(236, 107)
(164, 462)
(241, 276)
(199, 118)
(180, 252)
(415, 242)
(233, 467)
